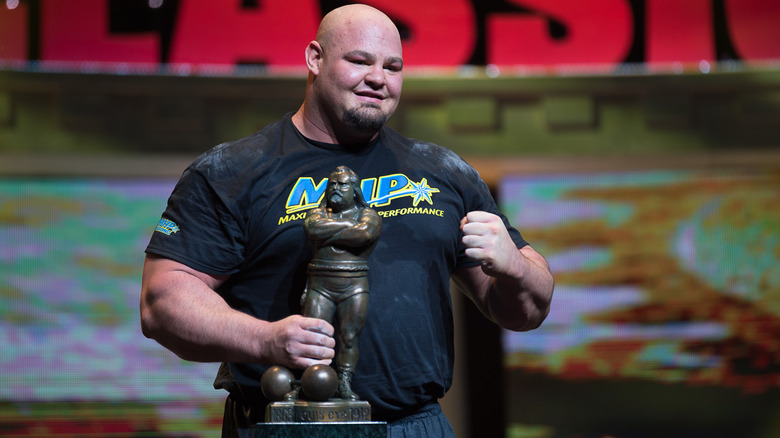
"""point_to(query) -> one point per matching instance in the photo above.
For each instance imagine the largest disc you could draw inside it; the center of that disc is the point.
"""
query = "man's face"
(340, 194)
(360, 76)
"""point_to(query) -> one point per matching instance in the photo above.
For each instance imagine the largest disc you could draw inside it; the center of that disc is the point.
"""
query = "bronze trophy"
(343, 231)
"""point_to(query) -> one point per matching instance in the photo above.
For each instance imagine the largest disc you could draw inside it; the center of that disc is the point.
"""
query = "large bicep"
(161, 274)
(170, 292)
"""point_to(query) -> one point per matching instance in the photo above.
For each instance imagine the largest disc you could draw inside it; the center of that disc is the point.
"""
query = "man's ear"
(314, 57)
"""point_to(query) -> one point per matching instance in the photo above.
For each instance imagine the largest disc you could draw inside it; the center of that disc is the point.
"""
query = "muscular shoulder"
(235, 157)
(435, 157)
(370, 215)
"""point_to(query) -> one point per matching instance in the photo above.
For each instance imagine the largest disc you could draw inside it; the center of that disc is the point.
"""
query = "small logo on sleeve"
(167, 226)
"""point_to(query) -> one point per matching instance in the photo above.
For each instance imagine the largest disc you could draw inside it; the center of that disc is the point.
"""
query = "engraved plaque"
(318, 412)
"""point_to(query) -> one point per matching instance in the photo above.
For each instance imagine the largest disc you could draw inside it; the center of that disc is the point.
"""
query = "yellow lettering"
(411, 210)
(291, 217)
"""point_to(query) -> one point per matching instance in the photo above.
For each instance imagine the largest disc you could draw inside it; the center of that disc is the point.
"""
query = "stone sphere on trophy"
(277, 382)
(319, 382)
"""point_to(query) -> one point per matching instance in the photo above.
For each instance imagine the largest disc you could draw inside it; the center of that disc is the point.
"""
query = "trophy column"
(343, 230)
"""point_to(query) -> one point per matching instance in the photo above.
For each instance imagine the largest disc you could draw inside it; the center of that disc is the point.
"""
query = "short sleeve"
(198, 228)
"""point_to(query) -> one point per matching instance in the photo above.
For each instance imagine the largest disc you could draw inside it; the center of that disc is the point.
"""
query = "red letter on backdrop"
(79, 32)
(679, 31)
(13, 32)
(441, 33)
(597, 32)
(218, 32)
(754, 26)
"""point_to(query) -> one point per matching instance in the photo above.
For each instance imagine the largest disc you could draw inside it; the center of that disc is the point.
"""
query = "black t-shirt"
(238, 209)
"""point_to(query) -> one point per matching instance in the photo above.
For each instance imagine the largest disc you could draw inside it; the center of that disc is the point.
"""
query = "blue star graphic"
(422, 191)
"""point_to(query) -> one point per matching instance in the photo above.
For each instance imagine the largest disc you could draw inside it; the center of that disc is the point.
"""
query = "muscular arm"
(344, 232)
(181, 310)
(321, 227)
(513, 287)
(367, 229)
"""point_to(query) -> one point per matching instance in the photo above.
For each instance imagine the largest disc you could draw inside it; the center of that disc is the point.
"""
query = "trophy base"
(318, 412)
(322, 430)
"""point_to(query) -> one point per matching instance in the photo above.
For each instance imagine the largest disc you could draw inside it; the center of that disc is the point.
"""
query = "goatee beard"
(336, 203)
(365, 120)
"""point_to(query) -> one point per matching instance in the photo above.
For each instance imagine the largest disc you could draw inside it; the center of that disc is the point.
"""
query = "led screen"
(666, 315)
(74, 360)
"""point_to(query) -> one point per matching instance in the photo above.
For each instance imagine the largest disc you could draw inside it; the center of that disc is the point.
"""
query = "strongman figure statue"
(343, 231)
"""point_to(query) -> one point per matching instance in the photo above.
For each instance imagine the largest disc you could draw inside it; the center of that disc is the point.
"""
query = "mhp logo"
(307, 194)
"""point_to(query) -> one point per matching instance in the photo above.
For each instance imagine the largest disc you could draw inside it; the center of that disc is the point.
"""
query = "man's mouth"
(371, 96)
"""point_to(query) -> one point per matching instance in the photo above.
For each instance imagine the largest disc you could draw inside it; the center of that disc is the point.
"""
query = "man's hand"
(514, 287)
(298, 341)
(488, 242)
(181, 310)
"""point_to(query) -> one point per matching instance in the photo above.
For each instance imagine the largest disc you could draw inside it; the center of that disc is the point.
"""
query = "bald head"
(355, 18)
(355, 76)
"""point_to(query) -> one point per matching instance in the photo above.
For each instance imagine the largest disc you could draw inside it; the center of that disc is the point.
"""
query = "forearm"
(512, 286)
(520, 300)
(320, 227)
(196, 323)
(354, 236)
(364, 231)
(181, 310)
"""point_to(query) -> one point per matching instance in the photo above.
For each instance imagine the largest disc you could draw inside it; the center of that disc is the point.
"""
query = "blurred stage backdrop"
(635, 143)
(74, 361)
(666, 315)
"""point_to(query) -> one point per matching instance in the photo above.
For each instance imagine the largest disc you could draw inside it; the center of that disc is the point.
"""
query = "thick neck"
(313, 125)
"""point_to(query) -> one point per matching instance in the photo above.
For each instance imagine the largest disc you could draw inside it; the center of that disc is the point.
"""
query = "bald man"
(224, 286)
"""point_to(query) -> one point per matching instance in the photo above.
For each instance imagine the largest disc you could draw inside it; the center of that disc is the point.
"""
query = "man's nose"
(376, 76)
